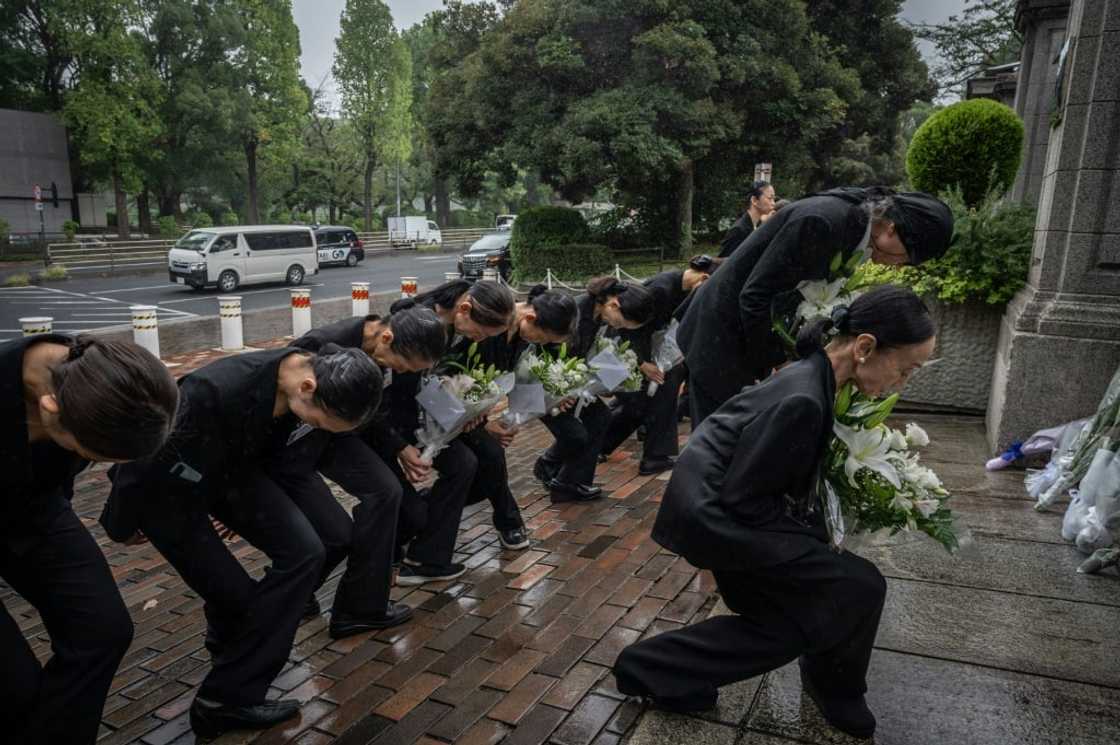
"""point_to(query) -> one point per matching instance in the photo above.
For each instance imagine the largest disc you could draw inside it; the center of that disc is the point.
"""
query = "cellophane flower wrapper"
(449, 403)
(1074, 461)
(667, 353)
(874, 482)
(609, 359)
(562, 377)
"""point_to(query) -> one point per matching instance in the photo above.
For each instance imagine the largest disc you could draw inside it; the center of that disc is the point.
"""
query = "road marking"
(165, 285)
(452, 257)
(239, 294)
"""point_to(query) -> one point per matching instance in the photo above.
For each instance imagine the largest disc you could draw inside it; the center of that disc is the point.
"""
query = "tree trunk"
(367, 198)
(685, 189)
(168, 199)
(532, 185)
(331, 211)
(144, 210)
(443, 202)
(121, 207)
(252, 212)
(428, 198)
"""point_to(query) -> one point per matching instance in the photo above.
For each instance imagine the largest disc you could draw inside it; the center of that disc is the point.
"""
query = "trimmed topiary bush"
(569, 262)
(70, 228)
(539, 229)
(229, 218)
(975, 145)
(200, 220)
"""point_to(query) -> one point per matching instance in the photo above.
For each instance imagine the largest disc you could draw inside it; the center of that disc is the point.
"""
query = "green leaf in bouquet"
(837, 261)
(882, 411)
(854, 261)
(843, 400)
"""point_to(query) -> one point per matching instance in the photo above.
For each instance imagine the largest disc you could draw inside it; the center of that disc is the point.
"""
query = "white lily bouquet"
(608, 359)
(667, 353)
(450, 402)
(817, 298)
(873, 481)
(559, 376)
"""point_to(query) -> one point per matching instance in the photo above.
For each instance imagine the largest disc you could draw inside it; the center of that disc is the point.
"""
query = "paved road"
(89, 303)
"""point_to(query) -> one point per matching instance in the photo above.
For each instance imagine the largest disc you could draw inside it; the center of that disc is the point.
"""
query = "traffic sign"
(38, 190)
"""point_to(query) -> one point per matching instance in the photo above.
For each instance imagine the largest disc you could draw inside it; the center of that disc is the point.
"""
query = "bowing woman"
(760, 204)
(546, 317)
(429, 523)
(742, 502)
(657, 412)
(400, 344)
(726, 332)
(236, 413)
(65, 403)
(567, 468)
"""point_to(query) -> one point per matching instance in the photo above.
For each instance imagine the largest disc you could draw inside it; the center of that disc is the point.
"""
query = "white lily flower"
(916, 435)
(900, 502)
(927, 506)
(898, 440)
(820, 297)
(867, 448)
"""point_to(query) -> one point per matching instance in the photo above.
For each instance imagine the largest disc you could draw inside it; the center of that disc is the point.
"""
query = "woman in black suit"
(742, 502)
(659, 411)
(63, 404)
(760, 204)
(727, 332)
(567, 468)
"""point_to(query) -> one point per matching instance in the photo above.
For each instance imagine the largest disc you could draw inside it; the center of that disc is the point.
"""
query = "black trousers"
(658, 412)
(578, 442)
(492, 479)
(823, 607)
(67, 580)
(429, 523)
(368, 540)
(253, 622)
(701, 403)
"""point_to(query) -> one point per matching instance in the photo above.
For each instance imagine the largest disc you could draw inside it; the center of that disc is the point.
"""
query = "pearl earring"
(862, 360)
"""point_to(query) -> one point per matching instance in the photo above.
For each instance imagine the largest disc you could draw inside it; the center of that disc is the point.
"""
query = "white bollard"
(408, 287)
(33, 325)
(450, 276)
(229, 311)
(144, 327)
(489, 275)
(301, 312)
(359, 298)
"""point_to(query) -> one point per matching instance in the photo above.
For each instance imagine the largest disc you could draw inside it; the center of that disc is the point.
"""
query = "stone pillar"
(1043, 26)
(1060, 337)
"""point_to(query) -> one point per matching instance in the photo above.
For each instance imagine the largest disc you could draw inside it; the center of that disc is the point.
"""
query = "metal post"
(359, 296)
(548, 278)
(33, 325)
(618, 272)
(229, 311)
(301, 312)
(145, 331)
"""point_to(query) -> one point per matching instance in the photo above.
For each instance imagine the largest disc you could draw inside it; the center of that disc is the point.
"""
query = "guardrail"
(122, 255)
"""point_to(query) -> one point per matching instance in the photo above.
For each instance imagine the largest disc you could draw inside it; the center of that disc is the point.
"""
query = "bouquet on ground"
(817, 298)
(873, 480)
(450, 402)
(544, 380)
(667, 353)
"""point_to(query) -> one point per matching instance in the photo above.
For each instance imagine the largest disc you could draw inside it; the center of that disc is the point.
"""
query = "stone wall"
(959, 373)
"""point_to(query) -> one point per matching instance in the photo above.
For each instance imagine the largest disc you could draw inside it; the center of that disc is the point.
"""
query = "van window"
(277, 241)
(226, 242)
(432, 225)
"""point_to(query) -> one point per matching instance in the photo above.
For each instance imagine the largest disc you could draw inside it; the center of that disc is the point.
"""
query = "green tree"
(983, 35)
(34, 56)
(394, 144)
(267, 100)
(111, 109)
(364, 54)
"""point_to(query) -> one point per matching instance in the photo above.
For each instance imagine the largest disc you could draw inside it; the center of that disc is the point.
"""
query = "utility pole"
(398, 187)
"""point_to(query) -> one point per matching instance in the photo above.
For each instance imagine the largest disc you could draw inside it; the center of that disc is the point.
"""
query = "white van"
(238, 255)
(414, 231)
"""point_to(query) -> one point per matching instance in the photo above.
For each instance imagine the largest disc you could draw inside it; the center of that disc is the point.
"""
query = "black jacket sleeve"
(773, 451)
(801, 250)
(739, 232)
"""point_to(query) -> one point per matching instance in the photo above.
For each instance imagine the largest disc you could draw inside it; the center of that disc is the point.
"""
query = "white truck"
(414, 231)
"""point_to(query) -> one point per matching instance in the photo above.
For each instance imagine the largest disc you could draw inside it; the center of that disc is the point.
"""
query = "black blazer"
(743, 491)
(225, 424)
(38, 478)
(739, 232)
(726, 334)
(587, 328)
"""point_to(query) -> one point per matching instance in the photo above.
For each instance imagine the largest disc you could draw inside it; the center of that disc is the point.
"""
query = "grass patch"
(53, 272)
(427, 249)
(17, 280)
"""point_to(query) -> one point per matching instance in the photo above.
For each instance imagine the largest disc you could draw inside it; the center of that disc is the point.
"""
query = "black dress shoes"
(656, 465)
(850, 714)
(344, 624)
(210, 719)
(562, 491)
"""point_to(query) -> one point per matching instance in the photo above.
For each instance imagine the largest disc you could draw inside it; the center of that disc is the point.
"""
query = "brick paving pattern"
(519, 649)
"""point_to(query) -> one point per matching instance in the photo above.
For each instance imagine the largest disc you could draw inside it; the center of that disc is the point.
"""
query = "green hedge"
(975, 145)
(569, 261)
(539, 231)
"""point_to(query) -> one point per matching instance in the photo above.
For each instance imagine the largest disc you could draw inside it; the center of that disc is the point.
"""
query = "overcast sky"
(318, 25)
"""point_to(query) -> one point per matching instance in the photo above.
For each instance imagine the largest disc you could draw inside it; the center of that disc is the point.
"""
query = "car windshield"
(195, 240)
(490, 243)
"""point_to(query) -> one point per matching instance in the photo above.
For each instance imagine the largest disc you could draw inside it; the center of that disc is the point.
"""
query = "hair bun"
(840, 317)
(79, 347)
(537, 291)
